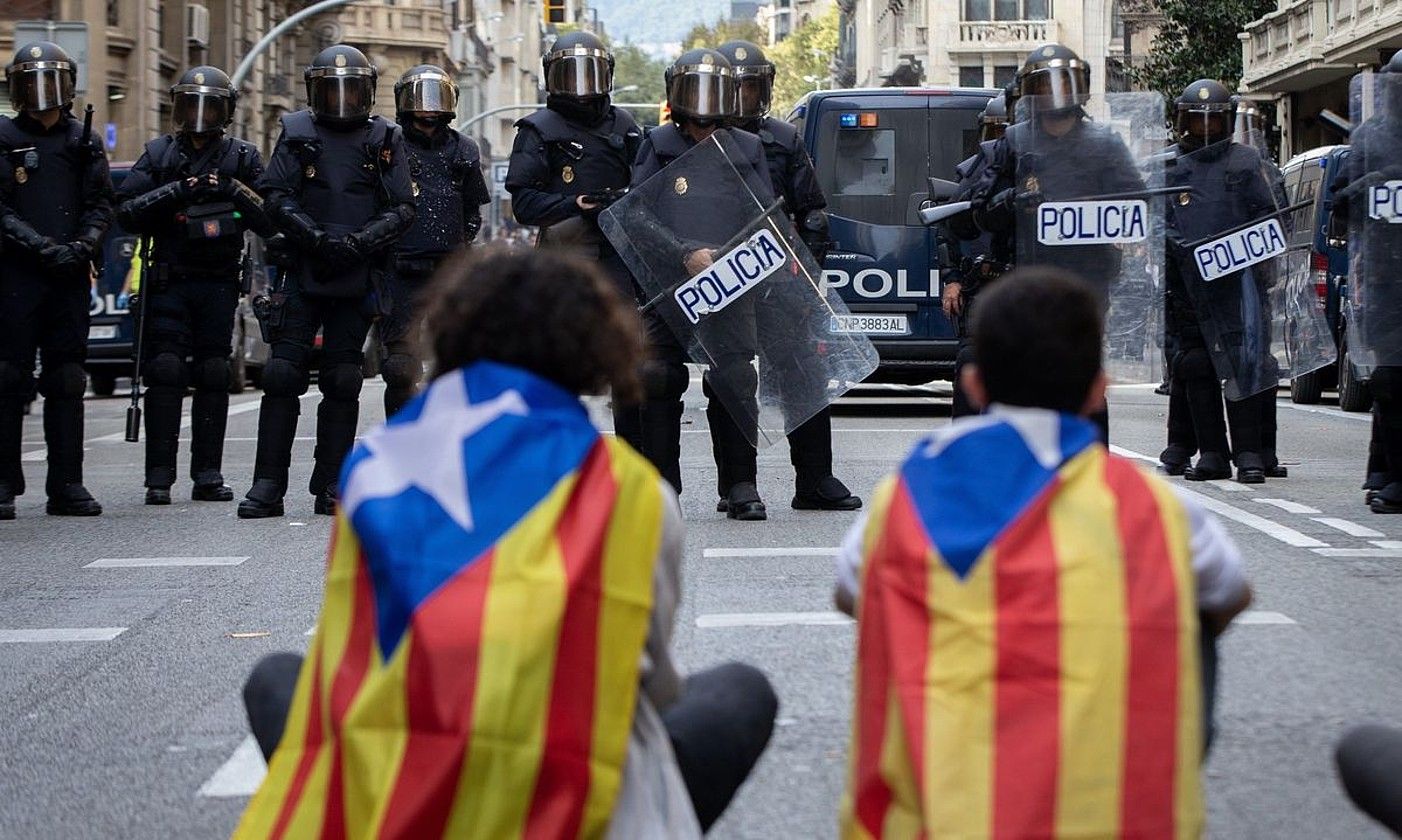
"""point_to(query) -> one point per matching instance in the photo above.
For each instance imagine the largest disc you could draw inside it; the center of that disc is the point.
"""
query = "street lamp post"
(246, 66)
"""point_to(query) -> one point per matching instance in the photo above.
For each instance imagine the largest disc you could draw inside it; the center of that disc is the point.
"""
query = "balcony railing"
(1004, 35)
(1305, 33)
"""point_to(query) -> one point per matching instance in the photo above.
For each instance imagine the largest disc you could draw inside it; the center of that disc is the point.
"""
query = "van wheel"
(103, 384)
(1307, 388)
(1353, 392)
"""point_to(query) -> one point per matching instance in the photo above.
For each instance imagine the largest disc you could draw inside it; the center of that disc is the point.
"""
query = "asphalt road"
(120, 680)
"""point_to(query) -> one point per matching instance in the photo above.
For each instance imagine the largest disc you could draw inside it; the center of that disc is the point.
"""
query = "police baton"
(143, 295)
(1284, 211)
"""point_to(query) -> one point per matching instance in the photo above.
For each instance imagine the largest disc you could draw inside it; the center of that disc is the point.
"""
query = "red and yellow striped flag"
(481, 685)
(1027, 658)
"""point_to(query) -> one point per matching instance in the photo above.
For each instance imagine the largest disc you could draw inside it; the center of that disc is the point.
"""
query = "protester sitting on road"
(1028, 607)
(1369, 759)
(492, 658)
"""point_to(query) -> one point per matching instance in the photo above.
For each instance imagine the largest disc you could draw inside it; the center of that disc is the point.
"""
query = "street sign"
(72, 36)
(111, 136)
(499, 172)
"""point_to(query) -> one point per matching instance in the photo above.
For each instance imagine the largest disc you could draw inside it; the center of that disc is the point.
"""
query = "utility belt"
(162, 274)
(418, 265)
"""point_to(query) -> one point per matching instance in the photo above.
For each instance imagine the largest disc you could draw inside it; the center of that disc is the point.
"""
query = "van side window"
(1308, 189)
(865, 162)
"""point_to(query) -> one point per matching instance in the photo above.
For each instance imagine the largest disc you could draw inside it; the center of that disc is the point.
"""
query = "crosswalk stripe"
(1287, 505)
(771, 619)
(60, 634)
(240, 775)
(1353, 529)
(713, 553)
(160, 562)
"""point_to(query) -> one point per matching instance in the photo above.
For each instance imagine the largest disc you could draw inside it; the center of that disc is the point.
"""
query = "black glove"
(61, 257)
(339, 252)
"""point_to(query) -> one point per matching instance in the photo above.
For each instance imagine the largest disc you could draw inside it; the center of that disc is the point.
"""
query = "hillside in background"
(653, 23)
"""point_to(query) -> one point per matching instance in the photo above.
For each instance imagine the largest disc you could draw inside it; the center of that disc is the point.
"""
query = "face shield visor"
(579, 73)
(342, 93)
(756, 91)
(41, 85)
(428, 92)
(197, 109)
(703, 92)
(1203, 123)
(1060, 85)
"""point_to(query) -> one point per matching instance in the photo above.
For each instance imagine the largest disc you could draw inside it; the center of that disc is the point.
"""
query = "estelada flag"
(475, 667)
(1027, 659)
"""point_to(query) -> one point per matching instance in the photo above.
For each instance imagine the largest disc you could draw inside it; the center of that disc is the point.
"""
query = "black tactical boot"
(1210, 466)
(1388, 499)
(73, 500)
(157, 495)
(326, 501)
(1174, 459)
(263, 501)
(743, 503)
(209, 413)
(1250, 468)
(827, 494)
(211, 489)
(7, 502)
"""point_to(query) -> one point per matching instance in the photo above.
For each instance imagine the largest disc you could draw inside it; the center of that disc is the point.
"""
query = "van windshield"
(875, 173)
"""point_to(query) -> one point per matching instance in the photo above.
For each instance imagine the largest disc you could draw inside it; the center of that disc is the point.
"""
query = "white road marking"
(152, 562)
(61, 634)
(1351, 528)
(773, 619)
(769, 552)
(1361, 416)
(1287, 505)
(1226, 484)
(1274, 530)
(240, 775)
(310, 631)
(1263, 617)
(1358, 552)
(1391, 545)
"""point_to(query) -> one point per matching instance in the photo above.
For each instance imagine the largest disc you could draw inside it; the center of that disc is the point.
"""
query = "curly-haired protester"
(492, 657)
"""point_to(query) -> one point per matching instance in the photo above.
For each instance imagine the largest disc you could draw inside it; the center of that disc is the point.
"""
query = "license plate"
(102, 332)
(870, 324)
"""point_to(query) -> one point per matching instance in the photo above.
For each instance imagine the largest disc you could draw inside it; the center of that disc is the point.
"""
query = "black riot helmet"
(1055, 79)
(754, 78)
(203, 101)
(42, 77)
(426, 89)
(993, 119)
(341, 85)
(578, 65)
(701, 86)
(1203, 114)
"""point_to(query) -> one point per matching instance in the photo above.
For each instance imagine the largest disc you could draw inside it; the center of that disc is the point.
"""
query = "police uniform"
(339, 189)
(55, 208)
(970, 243)
(449, 191)
(196, 238)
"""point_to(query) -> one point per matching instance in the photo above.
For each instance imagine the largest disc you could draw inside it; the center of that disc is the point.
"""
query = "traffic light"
(554, 11)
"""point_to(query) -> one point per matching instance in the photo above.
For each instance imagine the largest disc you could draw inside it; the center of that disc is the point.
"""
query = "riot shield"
(718, 260)
(1373, 202)
(1252, 294)
(1088, 195)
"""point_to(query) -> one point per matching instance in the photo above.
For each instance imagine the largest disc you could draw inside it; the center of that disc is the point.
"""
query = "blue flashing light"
(848, 121)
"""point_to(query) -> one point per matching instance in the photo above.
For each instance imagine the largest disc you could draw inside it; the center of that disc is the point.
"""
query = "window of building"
(1003, 76)
(1007, 9)
(114, 17)
(971, 76)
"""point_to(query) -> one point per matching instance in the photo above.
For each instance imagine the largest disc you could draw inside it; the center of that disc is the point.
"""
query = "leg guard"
(1204, 393)
(166, 377)
(336, 420)
(1244, 421)
(401, 373)
(16, 386)
(810, 450)
(209, 418)
(736, 458)
(63, 387)
(659, 418)
(1182, 440)
(1387, 393)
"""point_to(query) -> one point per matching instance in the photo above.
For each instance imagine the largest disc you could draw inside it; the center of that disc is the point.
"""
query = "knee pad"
(401, 370)
(212, 374)
(664, 381)
(166, 370)
(1194, 364)
(284, 378)
(15, 381)
(341, 382)
(63, 382)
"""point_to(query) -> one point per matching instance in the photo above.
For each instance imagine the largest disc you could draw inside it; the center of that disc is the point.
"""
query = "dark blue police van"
(873, 150)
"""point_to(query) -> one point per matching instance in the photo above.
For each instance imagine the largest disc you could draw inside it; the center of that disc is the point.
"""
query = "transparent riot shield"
(1252, 293)
(1373, 203)
(1089, 200)
(722, 265)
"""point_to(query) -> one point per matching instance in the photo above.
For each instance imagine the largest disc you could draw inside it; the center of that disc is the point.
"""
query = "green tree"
(721, 31)
(806, 54)
(1198, 41)
(633, 66)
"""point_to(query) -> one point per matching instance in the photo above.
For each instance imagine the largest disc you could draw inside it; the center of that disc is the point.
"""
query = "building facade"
(1302, 55)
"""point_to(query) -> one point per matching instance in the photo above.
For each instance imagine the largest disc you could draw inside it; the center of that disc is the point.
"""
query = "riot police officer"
(791, 172)
(1223, 184)
(338, 187)
(1055, 154)
(449, 192)
(701, 94)
(55, 208)
(191, 194)
(977, 265)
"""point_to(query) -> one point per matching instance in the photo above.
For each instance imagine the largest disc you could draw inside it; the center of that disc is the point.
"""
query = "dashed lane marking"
(1263, 617)
(1358, 552)
(60, 634)
(1229, 486)
(240, 775)
(1362, 417)
(1274, 530)
(1287, 505)
(1390, 545)
(154, 562)
(1353, 529)
(711, 553)
(772, 619)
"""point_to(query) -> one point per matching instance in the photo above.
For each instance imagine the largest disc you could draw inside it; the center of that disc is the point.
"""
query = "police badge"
(309, 172)
(1184, 199)
(21, 175)
(414, 188)
(680, 186)
(567, 174)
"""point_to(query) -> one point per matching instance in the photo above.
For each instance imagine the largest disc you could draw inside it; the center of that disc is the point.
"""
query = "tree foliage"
(1198, 41)
(634, 66)
(721, 31)
(806, 54)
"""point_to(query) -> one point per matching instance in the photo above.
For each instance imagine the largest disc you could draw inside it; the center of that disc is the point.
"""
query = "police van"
(873, 150)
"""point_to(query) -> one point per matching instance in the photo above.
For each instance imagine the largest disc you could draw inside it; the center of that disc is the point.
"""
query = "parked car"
(1319, 256)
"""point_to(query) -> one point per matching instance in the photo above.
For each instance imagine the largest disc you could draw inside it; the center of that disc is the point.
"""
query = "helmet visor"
(341, 97)
(756, 92)
(1059, 87)
(199, 109)
(436, 94)
(702, 95)
(1207, 123)
(39, 88)
(579, 75)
